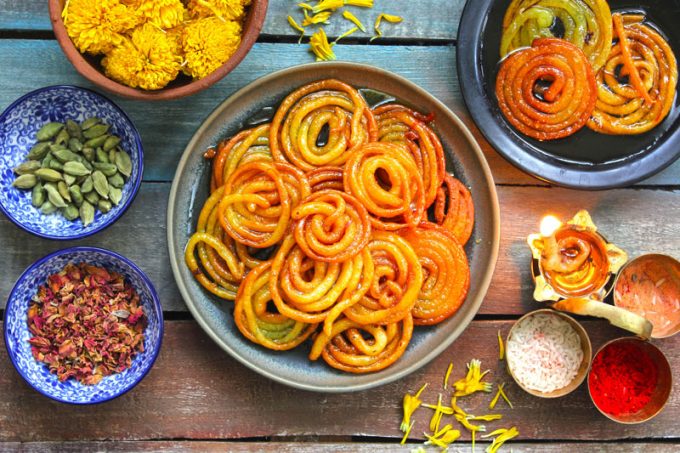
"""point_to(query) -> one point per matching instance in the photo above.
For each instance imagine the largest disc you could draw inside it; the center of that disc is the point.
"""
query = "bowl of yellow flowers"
(156, 49)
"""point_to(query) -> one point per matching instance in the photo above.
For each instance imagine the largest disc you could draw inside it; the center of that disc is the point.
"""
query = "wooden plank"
(314, 447)
(425, 19)
(167, 127)
(211, 396)
(626, 217)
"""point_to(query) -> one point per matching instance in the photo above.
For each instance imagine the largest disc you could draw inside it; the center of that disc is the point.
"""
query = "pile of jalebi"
(336, 195)
(568, 63)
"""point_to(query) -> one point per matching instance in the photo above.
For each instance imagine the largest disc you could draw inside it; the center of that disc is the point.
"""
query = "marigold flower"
(319, 44)
(208, 43)
(473, 381)
(96, 26)
(148, 60)
(410, 404)
(224, 9)
(163, 13)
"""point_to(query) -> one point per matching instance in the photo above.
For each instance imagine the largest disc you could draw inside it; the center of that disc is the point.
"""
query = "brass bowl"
(92, 71)
(663, 387)
(667, 269)
(586, 347)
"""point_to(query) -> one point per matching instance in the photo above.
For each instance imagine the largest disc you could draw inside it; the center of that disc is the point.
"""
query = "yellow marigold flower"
(320, 18)
(410, 404)
(224, 9)
(163, 13)
(148, 60)
(96, 26)
(208, 43)
(473, 381)
(320, 46)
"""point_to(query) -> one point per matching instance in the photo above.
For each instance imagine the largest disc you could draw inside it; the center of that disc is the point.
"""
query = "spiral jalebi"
(454, 209)
(271, 330)
(331, 226)
(345, 347)
(244, 147)
(586, 23)
(446, 275)
(386, 180)
(315, 291)
(398, 277)
(258, 199)
(636, 87)
(564, 106)
(331, 241)
(399, 124)
(301, 118)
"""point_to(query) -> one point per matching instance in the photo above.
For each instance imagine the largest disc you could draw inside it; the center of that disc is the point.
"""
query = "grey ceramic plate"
(190, 189)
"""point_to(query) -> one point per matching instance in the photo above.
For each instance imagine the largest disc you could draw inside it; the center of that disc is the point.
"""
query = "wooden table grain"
(197, 398)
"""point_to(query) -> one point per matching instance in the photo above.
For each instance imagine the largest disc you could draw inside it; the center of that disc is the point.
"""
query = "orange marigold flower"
(149, 60)
(208, 43)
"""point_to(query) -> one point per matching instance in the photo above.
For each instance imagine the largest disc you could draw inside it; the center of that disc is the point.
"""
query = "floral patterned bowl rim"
(156, 312)
(139, 151)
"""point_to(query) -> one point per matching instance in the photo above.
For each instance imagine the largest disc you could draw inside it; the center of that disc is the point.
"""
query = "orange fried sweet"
(454, 209)
(636, 87)
(547, 91)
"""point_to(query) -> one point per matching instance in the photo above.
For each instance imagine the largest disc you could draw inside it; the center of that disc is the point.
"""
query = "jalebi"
(454, 209)
(258, 199)
(345, 347)
(271, 330)
(585, 23)
(399, 124)
(547, 91)
(326, 178)
(446, 275)
(384, 177)
(298, 126)
(636, 87)
(244, 147)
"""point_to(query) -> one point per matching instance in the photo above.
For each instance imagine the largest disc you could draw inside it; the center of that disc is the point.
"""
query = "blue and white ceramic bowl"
(18, 125)
(17, 334)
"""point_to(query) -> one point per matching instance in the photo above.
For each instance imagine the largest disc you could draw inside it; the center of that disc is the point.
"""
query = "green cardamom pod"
(62, 137)
(104, 206)
(76, 169)
(101, 184)
(63, 191)
(49, 175)
(87, 164)
(73, 129)
(76, 195)
(96, 131)
(115, 195)
(111, 142)
(46, 161)
(39, 151)
(54, 196)
(25, 181)
(107, 169)
(27, 167)
(48, 208)
(69, 180)
(102, 156)
(38, 195)
(75, 145)
(88, 123)
(116, 180)
(124, 163)
(65, 155)
(87, 186)
(70, 212)
(92, 197)
(86, 212)
(48, 131)
(56, 165)
(96, 142)
(88, 152)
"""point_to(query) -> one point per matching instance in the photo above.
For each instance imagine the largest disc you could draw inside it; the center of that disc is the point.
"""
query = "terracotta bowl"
(92, 71)
(661, 393)
(583, 368)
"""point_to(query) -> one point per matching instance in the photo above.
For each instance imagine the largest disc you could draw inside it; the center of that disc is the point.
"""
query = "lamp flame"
(549, 225)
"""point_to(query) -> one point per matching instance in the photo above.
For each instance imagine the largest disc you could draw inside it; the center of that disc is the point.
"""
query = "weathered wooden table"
(197, 397)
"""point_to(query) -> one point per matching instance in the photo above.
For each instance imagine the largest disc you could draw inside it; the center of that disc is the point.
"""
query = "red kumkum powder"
(622, 379)
(86, 323)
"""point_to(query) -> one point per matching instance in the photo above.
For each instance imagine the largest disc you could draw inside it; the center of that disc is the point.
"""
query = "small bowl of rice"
(548, 353)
